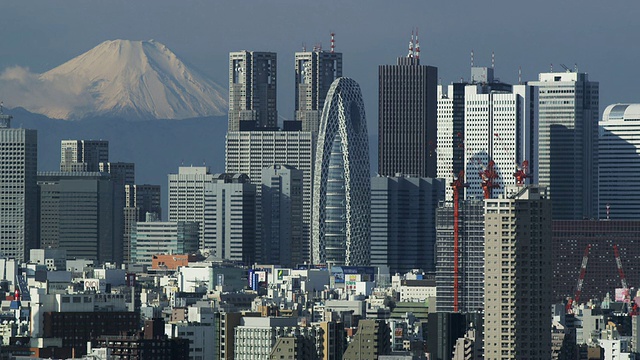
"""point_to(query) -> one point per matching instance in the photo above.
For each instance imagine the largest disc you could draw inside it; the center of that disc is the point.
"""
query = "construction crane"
(623, 279)
(522, 170)
(583, 271)
(489, 177)
(457, 184)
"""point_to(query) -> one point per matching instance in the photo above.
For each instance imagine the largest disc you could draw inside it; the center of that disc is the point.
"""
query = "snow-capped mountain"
(121, 78)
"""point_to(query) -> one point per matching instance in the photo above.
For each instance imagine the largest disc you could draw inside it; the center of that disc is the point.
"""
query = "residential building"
(82, 213)
(282, 215)
(518, 275)
(19, 191)
(249, 152)
(403, 218)
(372, 339)
(568, 142)
(407, 117)
(315, 72)
(154, 237)
(341, 185)
(83, 155)
(619, 163)
(252, 89)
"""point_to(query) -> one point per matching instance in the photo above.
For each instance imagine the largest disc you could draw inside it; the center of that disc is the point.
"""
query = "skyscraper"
(450, 154)
(518, 276)
(83, 155)
(499, 126)
(249, 152)
(341, 184)
(186, 198)
(282, 215)
(18, 190)
(139, 200)
(619, 162)
(230, 217)
(407, 116)
(403, 222)
(568, 131)
(252, 90)
(82, 213)
(315, 72)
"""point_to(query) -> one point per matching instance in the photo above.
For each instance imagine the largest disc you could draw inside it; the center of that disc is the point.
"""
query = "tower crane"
(457, 184)
(522, 170)
(623, 279)
(583, 271)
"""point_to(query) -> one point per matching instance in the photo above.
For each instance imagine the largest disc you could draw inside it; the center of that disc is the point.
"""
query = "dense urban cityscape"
(502, 223)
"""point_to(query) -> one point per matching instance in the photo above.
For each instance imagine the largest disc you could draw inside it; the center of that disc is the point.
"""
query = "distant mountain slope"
(135, 80)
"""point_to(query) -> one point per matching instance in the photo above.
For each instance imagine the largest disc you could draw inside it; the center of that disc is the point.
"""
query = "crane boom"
(583, 271)
(623, 279)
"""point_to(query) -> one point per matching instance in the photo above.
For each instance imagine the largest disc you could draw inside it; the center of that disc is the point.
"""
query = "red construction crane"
(522, 170)
(457, 185)
(583, 271)
(489, 177)
(623, 279)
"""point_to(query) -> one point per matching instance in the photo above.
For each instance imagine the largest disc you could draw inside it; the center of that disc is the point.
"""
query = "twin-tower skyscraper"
(329, 112)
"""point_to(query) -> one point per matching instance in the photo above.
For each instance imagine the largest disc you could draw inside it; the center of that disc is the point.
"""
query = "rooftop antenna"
(471, 57)
(333, 42)
(411, 46)
(304, 47)
(1, 105)
(551, 67)
(417, 45)
(575, 66)
(520, 75)
(493, 60)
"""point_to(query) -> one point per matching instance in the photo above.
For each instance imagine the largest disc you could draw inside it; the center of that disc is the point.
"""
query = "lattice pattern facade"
(341, 216)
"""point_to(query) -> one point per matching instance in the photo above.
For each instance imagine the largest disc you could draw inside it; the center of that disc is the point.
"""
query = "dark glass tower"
(407, 111)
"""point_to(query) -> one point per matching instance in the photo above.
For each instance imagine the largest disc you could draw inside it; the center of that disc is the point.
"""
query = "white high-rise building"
(83, 155)
(619, 162)
(18, 190)
(568, 143)
(186, 197)
(500, 126)
(249, 152)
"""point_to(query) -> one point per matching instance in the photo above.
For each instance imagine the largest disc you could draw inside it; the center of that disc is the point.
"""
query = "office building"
(315, 72)
(19, 192)
(444, 328)
(252, 90)
(82, 213)
(121, 172)
(499, 126)
(153, 237)
(249, 152)
(341, 186)
(403, 218)
(450, 154)
(407, 116)
(518, 275)
(282, 215)
(230, 218)
(186, 197)
(139, 200)
(372, 339)
(83, 155)
(568, 142)
(470, 256)
(619, 163)
(570, 240)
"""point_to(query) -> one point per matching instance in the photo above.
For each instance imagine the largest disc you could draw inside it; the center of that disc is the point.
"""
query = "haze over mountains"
(133, 80)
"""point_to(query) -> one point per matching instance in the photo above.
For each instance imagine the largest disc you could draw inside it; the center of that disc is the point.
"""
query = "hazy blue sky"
(601, 36)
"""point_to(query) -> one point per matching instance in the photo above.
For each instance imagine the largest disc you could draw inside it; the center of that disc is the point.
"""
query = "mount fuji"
(133, 80)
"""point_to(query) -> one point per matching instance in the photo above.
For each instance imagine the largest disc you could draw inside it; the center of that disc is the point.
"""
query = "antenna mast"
(493, 60)
(471, 57)
(410, 55)
(333, 42)
(417, 48)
